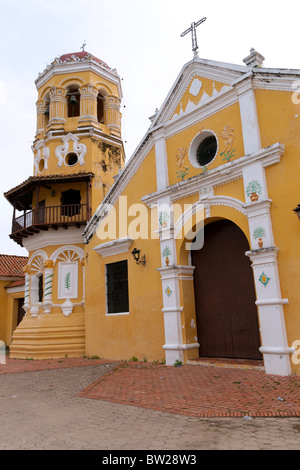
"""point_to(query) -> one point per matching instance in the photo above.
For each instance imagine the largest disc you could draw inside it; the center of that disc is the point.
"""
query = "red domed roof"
(81, 55)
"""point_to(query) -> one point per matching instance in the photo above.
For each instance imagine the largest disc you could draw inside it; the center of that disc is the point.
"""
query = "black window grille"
(117, 287)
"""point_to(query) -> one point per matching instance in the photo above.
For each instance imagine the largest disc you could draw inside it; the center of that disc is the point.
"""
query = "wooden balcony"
(43, 218)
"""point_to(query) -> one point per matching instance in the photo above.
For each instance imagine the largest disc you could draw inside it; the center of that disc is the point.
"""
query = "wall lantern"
(136, 255)
(297, 210)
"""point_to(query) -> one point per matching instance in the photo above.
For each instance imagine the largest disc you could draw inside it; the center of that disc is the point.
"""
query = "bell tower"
(77, 152)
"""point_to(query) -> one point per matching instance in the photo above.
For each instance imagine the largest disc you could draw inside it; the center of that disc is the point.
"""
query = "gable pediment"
(199, 82)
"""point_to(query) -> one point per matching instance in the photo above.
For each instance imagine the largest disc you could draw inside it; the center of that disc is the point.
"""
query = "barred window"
(117, 287)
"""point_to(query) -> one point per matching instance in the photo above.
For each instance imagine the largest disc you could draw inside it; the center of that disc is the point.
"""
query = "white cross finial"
(83, 46)
(192, 29)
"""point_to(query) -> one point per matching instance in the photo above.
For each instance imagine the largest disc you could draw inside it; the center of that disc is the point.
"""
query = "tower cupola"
(77, 149)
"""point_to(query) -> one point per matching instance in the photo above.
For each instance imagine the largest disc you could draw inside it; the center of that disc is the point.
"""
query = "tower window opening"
(41, 164)
(41, 288)
(70, 202)
(73, 97)
(100, 108)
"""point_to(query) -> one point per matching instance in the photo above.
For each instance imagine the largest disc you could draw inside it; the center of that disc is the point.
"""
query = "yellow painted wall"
(12, 314)
(3, 309)
(141, 333)
(279, 121)
(216, 123)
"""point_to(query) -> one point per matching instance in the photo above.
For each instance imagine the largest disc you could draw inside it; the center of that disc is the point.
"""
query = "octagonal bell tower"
(77, 152)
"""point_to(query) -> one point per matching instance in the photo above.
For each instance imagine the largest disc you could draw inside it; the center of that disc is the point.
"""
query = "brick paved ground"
(199, 391)
(189, 390)
(41, 407)
(28, 365)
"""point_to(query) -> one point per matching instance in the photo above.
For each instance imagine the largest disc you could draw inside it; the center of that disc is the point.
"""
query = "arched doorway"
(226, 313)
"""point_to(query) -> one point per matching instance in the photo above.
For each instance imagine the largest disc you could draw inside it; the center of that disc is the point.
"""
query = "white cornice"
(53, 237)
(114, 247)
(15, 290)
(78, 67)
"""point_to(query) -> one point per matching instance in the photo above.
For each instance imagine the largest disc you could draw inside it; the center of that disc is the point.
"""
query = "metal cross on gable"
(83, 46)
(192, 29)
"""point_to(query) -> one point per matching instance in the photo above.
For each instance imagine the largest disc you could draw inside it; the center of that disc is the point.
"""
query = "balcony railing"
(43, 217)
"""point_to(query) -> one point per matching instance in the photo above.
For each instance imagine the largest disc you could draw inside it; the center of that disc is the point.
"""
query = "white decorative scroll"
(43, 153)
(62, 150)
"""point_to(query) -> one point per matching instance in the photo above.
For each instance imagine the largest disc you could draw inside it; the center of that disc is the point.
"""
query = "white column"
(112, 114)
(263, 255)
(58, 103)
(88, 103)
(172, 315)
(47, 302)
(162, 177)
(274, 347)
(26, 305)
(248, 111)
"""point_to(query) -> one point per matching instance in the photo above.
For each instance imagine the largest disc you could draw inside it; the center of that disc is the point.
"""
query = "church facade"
(188, 250)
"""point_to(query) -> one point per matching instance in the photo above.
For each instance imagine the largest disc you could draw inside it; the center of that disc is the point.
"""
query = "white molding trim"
(274, 350)
(15, 290)
(53, 237)
(181, 347)
(271, 302)
(38, 252)
(114, 247)
(72, 68)
(79, 251)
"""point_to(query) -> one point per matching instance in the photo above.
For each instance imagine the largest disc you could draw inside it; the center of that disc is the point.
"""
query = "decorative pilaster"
(48, 276)
(58, 104)
(162, 177)
(26, 305)
(248, 111)
(274, 347)
(263, 255)
(112, 114)
(83, 278)
(88, 103)
(41, 109)
(171, 277)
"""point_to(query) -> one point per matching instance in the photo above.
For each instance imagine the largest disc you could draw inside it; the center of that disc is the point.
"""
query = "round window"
(71, 159)
(206, 151)
(203, 149)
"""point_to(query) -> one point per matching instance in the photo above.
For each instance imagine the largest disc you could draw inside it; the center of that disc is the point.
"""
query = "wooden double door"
(227, 321)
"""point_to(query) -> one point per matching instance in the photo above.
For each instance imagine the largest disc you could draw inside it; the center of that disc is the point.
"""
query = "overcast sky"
(141, 39)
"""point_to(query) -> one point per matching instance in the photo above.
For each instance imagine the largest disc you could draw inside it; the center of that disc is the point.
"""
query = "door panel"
(224, 294)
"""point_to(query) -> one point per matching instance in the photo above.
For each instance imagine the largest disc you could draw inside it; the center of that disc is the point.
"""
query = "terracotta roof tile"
(12, 265)
(81, 55)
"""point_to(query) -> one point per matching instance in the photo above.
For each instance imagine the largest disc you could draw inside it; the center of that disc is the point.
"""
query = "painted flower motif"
(264, 279)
